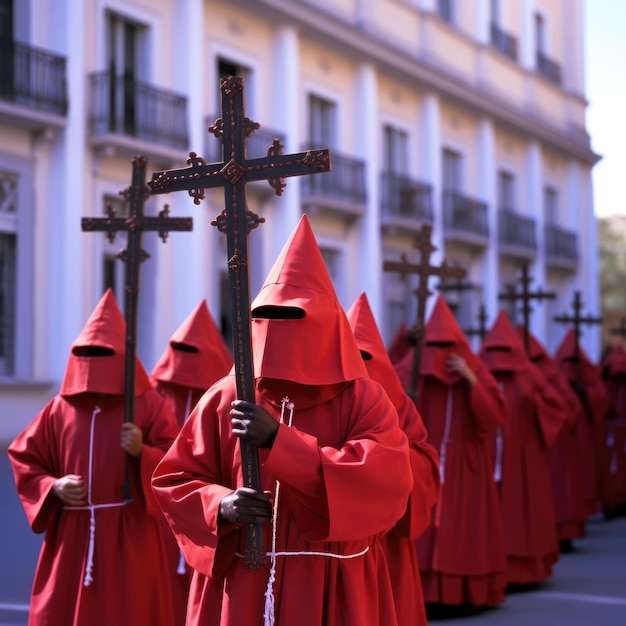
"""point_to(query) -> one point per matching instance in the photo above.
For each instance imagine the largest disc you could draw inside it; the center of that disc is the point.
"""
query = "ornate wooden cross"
(482, 329)
(424, 271)
(577, 320)
(526, 295)
(237, 221)
(135, 224)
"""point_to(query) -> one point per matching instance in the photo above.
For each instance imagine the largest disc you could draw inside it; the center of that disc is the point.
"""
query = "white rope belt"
(332, 555)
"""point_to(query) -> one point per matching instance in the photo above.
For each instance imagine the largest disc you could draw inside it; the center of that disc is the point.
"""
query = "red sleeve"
(34, 460)
(425, 471)
(486, 400)
(551, 409)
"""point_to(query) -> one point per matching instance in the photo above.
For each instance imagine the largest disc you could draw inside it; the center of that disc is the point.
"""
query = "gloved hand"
(246, 506)
(253, 423)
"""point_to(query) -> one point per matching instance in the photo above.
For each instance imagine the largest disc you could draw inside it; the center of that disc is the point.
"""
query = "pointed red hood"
(443, 336)
(502, 349)
(105, 330)
(569, 362)
(197, 355)
(372, 349)
(536, 351)
(308, 339)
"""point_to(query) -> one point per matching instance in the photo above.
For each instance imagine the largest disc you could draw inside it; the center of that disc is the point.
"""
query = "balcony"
(465, 220)
(132, 117)
(561, 247)
(503, 42)
(548, 68)
(405, 203)
(33, 86)
(516, 235)
(340, 192)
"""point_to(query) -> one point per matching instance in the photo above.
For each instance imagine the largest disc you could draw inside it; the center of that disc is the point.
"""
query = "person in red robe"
(398, 543)
(461, 554)
(102, 560)
(586, 380)
(194, 359)
(535, 415)
(400, 344)
(563, 455)
(335, 468)
(612, 457)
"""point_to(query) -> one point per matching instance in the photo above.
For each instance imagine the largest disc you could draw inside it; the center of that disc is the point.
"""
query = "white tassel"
(497, 472)
(92, 513)
(446, 436)
(182, 564)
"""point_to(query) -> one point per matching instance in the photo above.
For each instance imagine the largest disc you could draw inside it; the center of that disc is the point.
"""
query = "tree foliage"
(612, 248)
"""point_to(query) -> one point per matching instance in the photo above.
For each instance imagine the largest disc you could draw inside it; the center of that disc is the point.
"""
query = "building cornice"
(360, 43)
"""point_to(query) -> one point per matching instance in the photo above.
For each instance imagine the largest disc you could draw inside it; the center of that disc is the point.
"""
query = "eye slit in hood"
(367, 356)
(274, 312)
(441, 344)
(92, 351)
(498, 349)
(183, 347)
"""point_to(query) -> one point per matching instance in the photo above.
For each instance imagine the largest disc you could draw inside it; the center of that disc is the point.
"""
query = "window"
(445, 9)
(395, 150)
(331, 260)
(125, 40)
(8, 271)
(495, 12)
(550, 206)
(451, 171)
(506, 191)
(321, 122)
(540, 33)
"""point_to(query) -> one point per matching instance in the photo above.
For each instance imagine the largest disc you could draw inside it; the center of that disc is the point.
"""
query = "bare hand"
(131, 439)
(71, 490)
(246, 506)
(457, 364)
(253, 423)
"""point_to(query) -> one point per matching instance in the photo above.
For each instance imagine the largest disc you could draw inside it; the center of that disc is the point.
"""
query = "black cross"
(233, 128)
(135, 224)
(525, 295)
(424, 271)
(577, 320)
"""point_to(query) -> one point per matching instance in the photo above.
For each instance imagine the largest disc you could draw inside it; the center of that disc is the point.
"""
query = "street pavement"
(588, 586)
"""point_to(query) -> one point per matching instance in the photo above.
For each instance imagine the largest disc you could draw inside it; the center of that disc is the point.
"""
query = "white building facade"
(465, 114)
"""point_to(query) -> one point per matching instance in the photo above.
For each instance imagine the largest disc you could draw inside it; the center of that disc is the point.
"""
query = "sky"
(605, 73)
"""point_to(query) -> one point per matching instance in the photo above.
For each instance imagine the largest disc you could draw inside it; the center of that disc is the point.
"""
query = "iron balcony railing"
(464, 215)
(503, 42)
(403, 197)
(548, 68)
(257, 143)
(561, 244)
(516, 230)
(132, 108)
(33, 78)
(344, 183)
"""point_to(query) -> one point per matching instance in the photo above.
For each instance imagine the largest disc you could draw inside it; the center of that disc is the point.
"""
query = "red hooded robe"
(400, 344)
(115, 574)
(398, 542)
(194, 359)
(585, 378)
(461, 554)
(563, 455)
(340, 458)
(535, 414)
(612, 445)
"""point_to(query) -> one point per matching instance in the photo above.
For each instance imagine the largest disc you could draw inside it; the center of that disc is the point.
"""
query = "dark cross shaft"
(481, 331)
(233, 128)
(621, 329)
(424, 271)
(577, 320)
(526, 295)
(135, 224)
